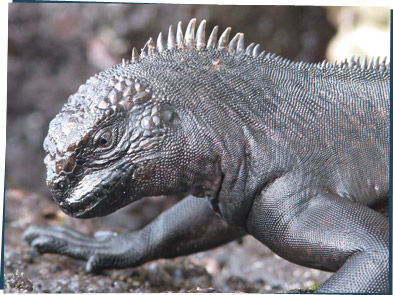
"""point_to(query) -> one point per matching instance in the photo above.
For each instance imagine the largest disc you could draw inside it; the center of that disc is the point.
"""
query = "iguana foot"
(103, 250)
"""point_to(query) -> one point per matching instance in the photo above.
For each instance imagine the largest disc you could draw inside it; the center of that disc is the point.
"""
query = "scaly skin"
(294, 154)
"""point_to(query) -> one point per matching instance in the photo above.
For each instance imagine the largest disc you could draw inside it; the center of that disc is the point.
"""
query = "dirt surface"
(241, 266)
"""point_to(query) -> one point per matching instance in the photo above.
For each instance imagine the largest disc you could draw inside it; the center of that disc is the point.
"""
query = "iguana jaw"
(92, 197)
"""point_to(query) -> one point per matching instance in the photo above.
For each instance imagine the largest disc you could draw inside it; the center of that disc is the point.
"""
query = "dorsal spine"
(192, 41)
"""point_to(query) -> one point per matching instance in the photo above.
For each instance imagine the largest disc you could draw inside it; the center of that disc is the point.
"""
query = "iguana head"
(109, 134)
(123, 135)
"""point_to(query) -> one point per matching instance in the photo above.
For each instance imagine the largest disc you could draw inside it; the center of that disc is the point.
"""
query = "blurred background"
(53, 48)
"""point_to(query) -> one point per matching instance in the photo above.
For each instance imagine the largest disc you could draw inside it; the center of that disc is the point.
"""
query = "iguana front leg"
(319, 229)
(188, 227)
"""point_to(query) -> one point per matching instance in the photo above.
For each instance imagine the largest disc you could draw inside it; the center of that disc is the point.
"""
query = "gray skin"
(294, 154)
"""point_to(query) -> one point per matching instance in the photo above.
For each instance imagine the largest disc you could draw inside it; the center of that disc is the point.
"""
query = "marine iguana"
(292, 153)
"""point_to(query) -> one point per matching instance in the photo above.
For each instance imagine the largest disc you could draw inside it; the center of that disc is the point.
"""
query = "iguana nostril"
(66, 164)
(49, 183)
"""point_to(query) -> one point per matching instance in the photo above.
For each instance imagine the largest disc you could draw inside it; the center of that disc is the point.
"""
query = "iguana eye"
(104, 140)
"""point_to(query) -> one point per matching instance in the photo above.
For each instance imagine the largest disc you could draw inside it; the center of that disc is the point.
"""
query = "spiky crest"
(236, 47)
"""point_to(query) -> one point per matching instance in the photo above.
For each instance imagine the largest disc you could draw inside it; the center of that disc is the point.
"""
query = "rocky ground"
(241, 266)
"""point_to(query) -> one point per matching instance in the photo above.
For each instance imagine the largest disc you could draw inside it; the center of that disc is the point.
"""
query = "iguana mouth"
(72, 202)
(97, 196)
(83, 207)
(90, 205)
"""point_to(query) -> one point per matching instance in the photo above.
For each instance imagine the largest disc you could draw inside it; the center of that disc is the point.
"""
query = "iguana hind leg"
(327, 232)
